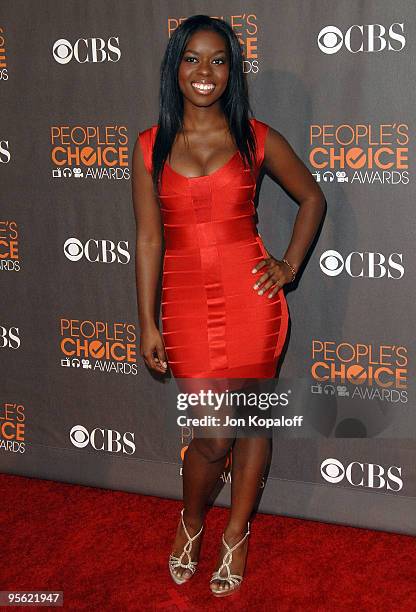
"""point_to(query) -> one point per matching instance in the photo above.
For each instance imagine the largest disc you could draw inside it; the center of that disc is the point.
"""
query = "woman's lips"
(203, 88)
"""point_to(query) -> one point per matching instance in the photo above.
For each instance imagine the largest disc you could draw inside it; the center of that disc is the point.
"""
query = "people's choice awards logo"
(99, 439)
(360, 371)
(371, 38)
(103, 251)
(363, 153)
(86, 50)
(98, 345)
(90, 151)
(358, 474)
(362, 264)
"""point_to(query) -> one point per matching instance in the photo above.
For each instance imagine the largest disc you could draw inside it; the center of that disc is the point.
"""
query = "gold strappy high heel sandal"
(234, 580)
(175, 562)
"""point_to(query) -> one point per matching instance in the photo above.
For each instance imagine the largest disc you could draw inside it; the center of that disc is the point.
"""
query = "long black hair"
(234, 101)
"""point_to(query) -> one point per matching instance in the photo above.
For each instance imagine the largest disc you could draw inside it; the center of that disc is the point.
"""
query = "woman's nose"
(204, 68)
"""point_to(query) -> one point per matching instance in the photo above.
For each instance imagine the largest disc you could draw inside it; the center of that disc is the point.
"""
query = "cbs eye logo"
(79, 436)
(331, 263)
(73, 249)
(330, 40)
(62, 51)
(332, 470)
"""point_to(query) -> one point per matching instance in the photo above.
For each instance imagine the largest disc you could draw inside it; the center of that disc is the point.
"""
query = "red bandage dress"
(215, 325)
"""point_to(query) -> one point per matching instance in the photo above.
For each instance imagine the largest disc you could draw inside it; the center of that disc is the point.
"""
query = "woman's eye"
(219, 59)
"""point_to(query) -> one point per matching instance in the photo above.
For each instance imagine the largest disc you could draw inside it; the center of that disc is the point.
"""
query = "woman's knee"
(213, 449)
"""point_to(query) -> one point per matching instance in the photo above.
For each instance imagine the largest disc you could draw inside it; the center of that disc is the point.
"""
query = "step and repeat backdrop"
(78, 81)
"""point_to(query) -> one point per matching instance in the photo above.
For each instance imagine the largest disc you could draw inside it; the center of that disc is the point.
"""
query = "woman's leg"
(203, 464)
(250, 457)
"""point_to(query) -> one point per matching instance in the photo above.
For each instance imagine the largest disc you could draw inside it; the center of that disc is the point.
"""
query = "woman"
(224, 312)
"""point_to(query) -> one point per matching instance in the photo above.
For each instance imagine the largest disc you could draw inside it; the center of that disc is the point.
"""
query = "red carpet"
(108, 550)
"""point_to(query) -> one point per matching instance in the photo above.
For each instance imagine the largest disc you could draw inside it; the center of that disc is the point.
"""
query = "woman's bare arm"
(283, 163)
(148, 258)
(281, 160)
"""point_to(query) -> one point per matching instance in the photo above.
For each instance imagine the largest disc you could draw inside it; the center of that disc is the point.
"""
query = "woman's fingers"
(269, 284)
(273, 276)
(265, 276)
(273, 291)
(150, 361)
(261, 280)
(161, 357)
(260, 265)
(156, 361)
(152, 349)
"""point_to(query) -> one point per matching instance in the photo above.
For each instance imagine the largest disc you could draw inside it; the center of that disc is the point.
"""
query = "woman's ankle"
(233, 533)
(193, 521)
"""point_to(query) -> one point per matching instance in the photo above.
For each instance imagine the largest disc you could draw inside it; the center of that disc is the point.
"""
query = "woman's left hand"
(277, 274)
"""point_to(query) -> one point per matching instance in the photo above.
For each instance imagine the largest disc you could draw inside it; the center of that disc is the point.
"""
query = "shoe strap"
(186, 531)
(229, 549)
(228, 557)
(188, 546)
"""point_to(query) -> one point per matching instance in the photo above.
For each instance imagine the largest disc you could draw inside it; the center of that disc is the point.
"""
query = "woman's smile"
(203, 87)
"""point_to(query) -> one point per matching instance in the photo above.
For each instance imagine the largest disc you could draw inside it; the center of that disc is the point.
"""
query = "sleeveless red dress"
(215, 325)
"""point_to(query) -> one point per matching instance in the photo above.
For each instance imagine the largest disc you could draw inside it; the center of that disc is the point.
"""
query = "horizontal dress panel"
(209, 233)
(188, 323)
(184, 294)
(183, 279)
(193, 308)
(253, 302)
(264, 323)
(240, 251)
(251, 345)
(193, 213)
(240, 193)
(188, 261)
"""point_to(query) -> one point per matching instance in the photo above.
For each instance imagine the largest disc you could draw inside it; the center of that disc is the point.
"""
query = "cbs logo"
(4, 152)
(105, 251)
(86, 50)
(362, 38)
(9, 338)
(103, 439)
(369, 475)
(365, 264)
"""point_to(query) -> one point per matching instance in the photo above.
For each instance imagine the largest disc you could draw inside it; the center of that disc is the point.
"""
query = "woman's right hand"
(151, 342)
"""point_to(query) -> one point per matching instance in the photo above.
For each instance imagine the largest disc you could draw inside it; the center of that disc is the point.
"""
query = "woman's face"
(204, 68)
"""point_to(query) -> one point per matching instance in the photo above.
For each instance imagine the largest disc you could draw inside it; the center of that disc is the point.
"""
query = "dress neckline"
(203, 176)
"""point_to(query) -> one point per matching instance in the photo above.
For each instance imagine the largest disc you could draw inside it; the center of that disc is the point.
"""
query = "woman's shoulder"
(260, 129)
(259, 126)
(146, 140)
(148, 132)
